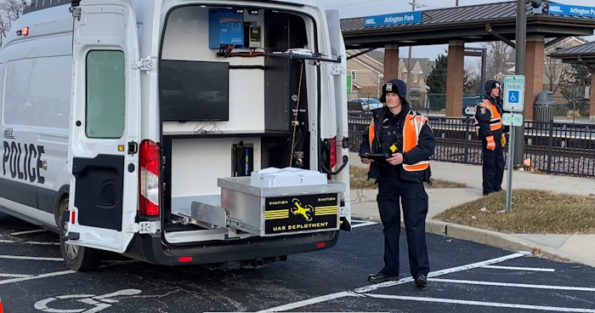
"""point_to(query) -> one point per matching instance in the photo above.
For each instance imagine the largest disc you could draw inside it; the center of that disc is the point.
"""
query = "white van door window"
(105, 94)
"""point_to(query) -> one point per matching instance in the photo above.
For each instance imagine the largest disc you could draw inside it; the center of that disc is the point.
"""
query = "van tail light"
(149, 178)
(333, 153)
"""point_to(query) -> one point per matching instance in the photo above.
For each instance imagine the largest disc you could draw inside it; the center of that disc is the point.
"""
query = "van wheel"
(77, 258)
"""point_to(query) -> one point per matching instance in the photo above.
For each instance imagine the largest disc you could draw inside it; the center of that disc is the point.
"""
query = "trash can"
(544, 106)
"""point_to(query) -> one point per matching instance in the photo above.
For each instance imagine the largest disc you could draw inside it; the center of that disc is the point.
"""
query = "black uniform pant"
(414, 199)
(493, 166)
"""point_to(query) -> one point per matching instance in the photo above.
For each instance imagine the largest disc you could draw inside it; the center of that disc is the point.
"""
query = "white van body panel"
(43, 116)
(36, 113)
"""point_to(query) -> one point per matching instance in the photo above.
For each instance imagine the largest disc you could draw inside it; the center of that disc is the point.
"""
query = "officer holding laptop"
(398, 145)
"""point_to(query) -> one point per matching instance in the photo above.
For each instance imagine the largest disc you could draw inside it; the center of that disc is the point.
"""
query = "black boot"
(421, 281)
(381, 277)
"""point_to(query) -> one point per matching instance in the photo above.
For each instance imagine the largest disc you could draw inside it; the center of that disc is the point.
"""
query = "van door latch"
(143, 228)
(145, 64)
(132, 147)
(76, 12)
(337, 69)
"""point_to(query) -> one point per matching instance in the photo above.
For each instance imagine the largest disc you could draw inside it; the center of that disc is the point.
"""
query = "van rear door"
(339, 82)
(105, 125)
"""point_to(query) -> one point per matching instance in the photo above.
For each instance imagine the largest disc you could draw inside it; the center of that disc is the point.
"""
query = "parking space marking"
(303, 303)
(481, 303)
(40, 243)
(14, 275)
(363, 223)
(18, 280)
(516, 268)
(26, 232)
(363, 290)
(32, 258)
(491, 283)
(445, 271)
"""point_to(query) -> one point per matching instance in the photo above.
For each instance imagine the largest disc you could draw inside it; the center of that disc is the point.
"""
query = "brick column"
(592, 96)
(391, 62)
(455, 78)
(534, 67)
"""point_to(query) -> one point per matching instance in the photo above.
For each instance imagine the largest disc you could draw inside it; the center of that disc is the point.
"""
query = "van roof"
(41, 4)
(37, 5)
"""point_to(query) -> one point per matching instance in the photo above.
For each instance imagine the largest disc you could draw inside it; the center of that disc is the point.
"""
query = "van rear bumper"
(151, 249)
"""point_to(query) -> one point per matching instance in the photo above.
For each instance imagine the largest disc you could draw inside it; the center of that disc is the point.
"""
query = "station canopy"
(584, 54)
(476, 23)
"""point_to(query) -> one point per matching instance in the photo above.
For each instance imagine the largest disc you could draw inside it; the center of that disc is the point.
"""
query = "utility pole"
(457, 3)
(409, 69)
(521, 45)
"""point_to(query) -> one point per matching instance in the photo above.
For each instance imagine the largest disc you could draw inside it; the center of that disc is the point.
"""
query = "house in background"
(367, 72)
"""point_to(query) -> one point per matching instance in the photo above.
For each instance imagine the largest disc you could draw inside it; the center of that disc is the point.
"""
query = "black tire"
(77, 258)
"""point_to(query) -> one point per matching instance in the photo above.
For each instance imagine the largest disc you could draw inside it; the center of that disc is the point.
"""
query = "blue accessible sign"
(513, 96)
(394, 19)
(514, 93)
(570, 10)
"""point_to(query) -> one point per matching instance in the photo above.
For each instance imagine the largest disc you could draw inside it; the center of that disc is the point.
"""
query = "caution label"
(301, 213)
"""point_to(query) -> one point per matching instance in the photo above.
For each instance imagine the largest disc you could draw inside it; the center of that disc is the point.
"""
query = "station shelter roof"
(584, 53)
(475, 23)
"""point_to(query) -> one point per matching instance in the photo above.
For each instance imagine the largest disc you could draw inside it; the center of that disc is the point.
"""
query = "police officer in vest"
(488, 126)
(407, 142)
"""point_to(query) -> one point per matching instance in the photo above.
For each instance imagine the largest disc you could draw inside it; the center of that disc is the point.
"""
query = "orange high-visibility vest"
(495, 118)
(411, 131)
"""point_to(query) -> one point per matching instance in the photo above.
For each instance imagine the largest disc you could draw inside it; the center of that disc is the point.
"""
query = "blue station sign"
(394, 19)
(570, 10)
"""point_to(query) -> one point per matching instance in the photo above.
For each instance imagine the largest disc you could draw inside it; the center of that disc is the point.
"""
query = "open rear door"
(340, 96)
(105, 126)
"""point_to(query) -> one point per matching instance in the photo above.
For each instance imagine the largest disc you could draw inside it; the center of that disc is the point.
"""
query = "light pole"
(409, 58)
(521, 44)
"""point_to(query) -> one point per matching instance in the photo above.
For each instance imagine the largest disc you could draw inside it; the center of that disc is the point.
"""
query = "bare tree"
(499, 58)
(10, 10)
(555, 70)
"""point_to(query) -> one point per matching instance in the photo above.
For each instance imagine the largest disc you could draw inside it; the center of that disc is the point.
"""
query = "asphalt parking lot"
(465, 277)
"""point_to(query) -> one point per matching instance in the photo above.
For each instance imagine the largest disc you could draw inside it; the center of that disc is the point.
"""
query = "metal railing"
(551, 147)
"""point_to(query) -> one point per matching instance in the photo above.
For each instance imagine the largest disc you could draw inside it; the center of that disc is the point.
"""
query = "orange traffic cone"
(1, 305)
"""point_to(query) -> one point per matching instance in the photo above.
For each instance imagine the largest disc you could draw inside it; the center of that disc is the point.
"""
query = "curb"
(494, 239)
(491, 238)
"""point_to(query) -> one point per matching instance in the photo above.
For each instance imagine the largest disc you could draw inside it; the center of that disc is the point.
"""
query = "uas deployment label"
(301, 213)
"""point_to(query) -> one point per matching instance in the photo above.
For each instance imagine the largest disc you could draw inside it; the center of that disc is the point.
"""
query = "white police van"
(131, 126)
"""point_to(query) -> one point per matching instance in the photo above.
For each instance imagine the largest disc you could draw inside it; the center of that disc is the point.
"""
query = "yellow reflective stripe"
(326, 210)
(326, 207)
(329, 213)
(276, 218)
(276, 214)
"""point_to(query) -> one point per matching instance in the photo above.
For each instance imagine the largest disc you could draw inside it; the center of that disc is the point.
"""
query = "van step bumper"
(151, 249)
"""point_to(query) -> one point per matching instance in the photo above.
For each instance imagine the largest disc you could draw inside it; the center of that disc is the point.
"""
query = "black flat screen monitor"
(194, 91)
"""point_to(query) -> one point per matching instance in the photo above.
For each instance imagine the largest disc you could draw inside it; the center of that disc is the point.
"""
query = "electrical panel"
(226, 27)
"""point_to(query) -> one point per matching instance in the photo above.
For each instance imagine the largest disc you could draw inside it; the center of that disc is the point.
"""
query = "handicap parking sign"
(514, 93)
(513, 96)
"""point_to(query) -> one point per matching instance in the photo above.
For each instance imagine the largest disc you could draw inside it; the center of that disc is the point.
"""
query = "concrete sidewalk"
(574, 247)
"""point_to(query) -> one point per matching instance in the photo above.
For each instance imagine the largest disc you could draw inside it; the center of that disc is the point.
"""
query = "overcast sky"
(360, 8)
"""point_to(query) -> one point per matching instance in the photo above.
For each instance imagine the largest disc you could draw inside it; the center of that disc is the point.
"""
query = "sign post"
(349, 83)
(514, 94)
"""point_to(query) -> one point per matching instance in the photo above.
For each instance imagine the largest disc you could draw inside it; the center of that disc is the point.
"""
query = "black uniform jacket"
(421, 152)
(483, 119)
